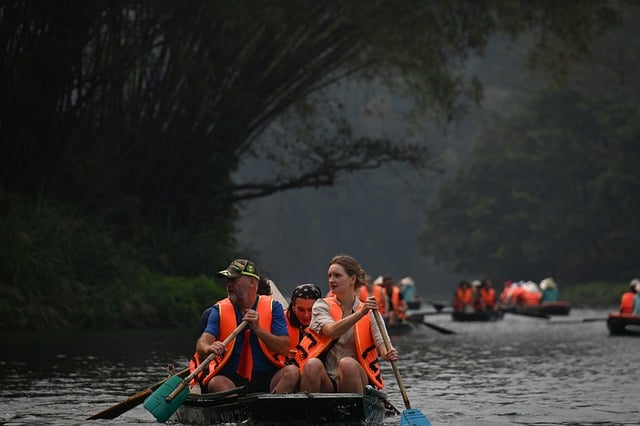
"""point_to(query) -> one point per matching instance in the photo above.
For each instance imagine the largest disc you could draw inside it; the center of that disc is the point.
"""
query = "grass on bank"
(61, 271)
(597, 294)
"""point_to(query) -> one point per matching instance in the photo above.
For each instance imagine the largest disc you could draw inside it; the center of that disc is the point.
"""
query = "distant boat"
(480, 316)
(560, 307)
(398, 328)
(623, 324)
(439, 305)
(414, 304)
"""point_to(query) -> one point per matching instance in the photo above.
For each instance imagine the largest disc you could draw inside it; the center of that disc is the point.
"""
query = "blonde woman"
(341, 353)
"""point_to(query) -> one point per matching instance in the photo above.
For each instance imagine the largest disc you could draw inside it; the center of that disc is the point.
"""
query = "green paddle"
(410, 416)
(133, 401)
(170, 396)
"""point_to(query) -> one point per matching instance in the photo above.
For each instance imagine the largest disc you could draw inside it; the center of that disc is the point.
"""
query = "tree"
(553, 187)
(552, 190)
(141, 112)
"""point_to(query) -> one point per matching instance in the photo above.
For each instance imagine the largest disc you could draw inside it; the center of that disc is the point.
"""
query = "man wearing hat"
(256, 357)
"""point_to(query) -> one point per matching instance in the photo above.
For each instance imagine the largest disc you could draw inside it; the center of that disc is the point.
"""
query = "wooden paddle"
(438, 328)
(577, 320)
(527, 314)
(133, 401)
(410, 416)
(418, 318)
(169, 397)
(594, 319)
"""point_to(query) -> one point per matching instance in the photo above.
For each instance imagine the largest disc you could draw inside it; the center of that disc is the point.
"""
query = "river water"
(516, 371)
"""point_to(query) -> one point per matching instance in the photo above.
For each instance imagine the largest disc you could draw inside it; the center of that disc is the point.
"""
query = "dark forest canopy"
(142, 110)
(553, 188)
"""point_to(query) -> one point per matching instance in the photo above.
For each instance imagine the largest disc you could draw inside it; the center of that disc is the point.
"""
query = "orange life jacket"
(363, 293)
(397, 302)
(489, 297)
(314, 345)
(381, 297)
(227, 326)
(626, 303)
(461, 298)
(516, 296)
(506, 297)
(295, 336)
(295, 333)
(530, 298)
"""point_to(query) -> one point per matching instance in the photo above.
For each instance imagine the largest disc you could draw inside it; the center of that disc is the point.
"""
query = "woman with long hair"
(341, 352)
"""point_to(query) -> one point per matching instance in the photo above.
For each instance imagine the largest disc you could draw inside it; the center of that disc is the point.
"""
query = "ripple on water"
(518, 371)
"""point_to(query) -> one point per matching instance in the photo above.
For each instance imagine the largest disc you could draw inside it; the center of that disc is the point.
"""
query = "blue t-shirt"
(260, 362)
(549, 295)
(636, 304)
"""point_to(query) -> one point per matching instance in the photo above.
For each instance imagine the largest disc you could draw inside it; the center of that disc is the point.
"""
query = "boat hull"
(414, 304)
(545, 308)
(285, 409)
(399, 328)
(477, 316)
(623, 324)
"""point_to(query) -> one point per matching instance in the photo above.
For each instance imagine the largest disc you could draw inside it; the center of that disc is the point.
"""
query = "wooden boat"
(413, 304)
(439, 305)
(477, 316)
(560, 307)
(235, 406)
(623, 324)
(398, 328)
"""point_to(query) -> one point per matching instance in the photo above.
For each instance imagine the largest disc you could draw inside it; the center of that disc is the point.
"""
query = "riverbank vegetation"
(125, 126)
(59, 270)
(553, 185)
(596, 294)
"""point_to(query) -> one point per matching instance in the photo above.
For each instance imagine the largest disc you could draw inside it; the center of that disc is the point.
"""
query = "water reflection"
(518, 371)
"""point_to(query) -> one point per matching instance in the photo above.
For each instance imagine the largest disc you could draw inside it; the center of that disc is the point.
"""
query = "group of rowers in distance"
(392, 297)
(480, 296)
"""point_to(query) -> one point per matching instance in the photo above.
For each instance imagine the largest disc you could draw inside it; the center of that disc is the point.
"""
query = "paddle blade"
(157, 404)
(413, 417)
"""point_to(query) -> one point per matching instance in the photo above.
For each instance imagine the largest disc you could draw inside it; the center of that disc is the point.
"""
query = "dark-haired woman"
(298, 313)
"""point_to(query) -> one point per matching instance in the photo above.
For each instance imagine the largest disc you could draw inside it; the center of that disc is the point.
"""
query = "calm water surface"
(517, 371)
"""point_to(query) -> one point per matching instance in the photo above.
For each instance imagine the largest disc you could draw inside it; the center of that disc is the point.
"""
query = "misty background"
(376, 215)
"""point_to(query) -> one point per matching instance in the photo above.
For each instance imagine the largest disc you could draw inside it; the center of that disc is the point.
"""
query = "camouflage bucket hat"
(240, 267)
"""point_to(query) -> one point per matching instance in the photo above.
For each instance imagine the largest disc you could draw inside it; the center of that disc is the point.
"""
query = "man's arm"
(277, 338)
(278, 344)
(207, 343)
